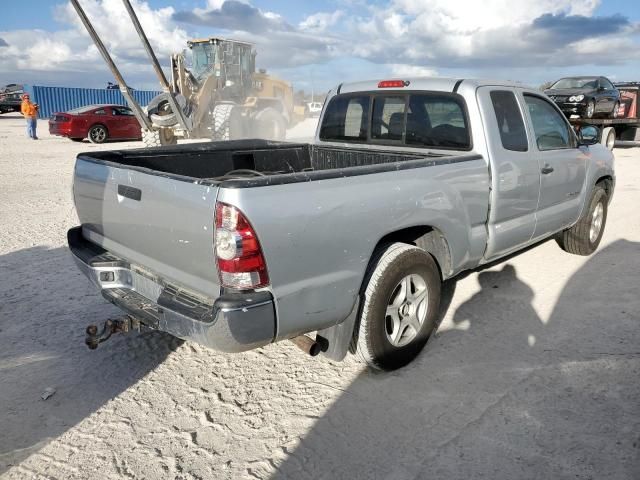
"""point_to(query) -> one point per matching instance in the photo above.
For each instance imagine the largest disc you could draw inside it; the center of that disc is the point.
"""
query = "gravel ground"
(533, 374)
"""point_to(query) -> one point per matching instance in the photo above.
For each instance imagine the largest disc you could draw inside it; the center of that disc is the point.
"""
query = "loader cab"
(230, 61)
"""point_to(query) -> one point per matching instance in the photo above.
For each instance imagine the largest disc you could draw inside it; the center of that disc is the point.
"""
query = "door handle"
(546, 169)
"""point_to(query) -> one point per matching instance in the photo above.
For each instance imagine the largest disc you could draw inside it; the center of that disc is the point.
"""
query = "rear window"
(436, 120)
(346, 119)
(388, 118)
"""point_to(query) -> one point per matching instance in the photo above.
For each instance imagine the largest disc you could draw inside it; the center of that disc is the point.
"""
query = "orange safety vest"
(29, 109)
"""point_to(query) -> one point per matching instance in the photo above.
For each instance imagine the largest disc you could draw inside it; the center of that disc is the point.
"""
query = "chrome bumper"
(234, 322)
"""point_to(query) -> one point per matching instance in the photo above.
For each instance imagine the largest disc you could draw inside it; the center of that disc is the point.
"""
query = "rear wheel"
(400, 307)
(609, 137)
(614, 112)
(584, 237)
(158, 138)
(98, 134)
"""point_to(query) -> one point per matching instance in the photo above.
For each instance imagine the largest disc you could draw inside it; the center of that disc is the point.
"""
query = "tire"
(159, 110)
(614, 112)
(270, 125)
(158, 138)
(227, 122)
(98, 134)
(387, 340)
(609, 138)
(582, 239)
(591, 109)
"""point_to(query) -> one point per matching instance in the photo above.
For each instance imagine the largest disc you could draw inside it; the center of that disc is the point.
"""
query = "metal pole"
(135, 107)
(184, 123)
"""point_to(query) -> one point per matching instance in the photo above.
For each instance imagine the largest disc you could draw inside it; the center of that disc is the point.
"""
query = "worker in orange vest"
(30, 112)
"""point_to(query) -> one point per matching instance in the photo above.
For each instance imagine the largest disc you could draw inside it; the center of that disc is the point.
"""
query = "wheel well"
(607, 183)
(426, 237)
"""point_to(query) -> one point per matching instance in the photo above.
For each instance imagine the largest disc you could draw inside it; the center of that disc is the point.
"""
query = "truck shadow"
(501, 393)
(45, 305)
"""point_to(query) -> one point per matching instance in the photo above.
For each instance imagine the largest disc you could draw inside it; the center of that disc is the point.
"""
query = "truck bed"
(217, 162)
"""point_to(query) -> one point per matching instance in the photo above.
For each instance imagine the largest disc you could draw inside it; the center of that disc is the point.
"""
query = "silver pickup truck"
(238, 244)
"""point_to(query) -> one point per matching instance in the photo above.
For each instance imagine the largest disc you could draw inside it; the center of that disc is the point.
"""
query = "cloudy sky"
(318, 44)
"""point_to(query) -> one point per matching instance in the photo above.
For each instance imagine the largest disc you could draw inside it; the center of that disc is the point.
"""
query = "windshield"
(567, 83)
(203, 59)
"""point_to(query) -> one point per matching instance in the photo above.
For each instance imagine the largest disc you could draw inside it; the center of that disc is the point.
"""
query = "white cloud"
(406, 70)
(114, 26)
(466, 17)
(320, 22)
(44, 57)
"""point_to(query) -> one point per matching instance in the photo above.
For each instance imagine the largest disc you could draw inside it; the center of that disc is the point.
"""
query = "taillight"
(393, 83)
(238, 253)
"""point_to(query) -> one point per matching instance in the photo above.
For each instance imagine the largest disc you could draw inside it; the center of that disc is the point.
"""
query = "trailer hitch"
(123, 324)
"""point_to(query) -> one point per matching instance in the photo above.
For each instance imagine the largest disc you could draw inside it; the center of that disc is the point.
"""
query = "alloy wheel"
(406, 310)
(596, 222)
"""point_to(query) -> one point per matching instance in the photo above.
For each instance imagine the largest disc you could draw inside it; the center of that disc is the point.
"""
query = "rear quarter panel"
(318, 236)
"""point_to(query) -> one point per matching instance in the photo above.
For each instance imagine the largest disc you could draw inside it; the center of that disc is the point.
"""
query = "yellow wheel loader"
(214, 92)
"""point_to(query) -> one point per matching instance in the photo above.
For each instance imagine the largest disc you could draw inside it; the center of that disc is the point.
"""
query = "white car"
(314, 108)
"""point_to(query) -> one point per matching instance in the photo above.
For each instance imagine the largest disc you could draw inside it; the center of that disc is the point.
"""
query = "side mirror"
(601, 88)
(589, 135)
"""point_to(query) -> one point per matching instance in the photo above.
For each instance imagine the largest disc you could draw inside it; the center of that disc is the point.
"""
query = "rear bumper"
(234, 322)
(64, 130)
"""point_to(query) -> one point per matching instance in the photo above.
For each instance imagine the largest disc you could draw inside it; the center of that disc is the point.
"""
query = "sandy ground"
(533, 374)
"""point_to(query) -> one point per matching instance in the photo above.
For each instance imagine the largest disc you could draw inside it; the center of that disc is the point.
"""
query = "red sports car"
(99, 123)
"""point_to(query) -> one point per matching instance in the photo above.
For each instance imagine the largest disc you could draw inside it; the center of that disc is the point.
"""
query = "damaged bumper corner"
(234, 322)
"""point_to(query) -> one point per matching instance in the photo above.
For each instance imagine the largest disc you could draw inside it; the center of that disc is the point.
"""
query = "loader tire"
(158, 138)
(228, 123)
(160, 112)
(270, 125)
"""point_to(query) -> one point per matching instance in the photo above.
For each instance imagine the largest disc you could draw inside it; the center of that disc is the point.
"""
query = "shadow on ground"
(509, 397)
(45, 305)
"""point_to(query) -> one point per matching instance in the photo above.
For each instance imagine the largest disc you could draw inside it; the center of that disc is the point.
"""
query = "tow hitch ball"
(113, 325)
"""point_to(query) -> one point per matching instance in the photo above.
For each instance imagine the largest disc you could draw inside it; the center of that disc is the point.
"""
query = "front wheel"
(591, 109)
(400, 307)
(98, 134)
(158, 138)
(584, 237)
(227, 122)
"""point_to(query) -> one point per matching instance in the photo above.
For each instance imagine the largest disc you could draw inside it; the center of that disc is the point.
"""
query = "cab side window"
(549, 126)
(606, 84)
(510, 123)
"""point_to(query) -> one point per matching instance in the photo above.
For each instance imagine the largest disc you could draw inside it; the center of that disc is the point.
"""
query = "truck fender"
(337, 340)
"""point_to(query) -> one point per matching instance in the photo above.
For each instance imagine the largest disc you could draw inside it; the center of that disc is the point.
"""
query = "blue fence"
(62, 99)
